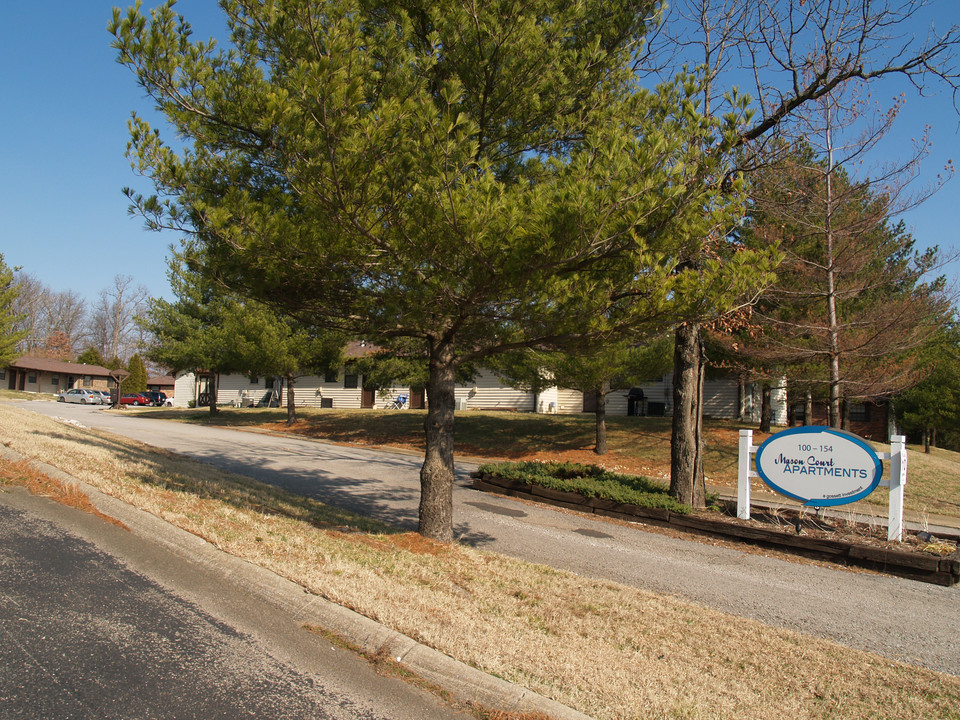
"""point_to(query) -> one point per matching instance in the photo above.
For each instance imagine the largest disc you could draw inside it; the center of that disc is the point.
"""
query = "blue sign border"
(817, 430)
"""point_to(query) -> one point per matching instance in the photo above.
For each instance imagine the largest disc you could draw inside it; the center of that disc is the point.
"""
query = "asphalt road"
(902, 619)
(97, 624)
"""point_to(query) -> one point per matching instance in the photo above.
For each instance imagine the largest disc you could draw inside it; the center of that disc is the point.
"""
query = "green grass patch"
(590, 481)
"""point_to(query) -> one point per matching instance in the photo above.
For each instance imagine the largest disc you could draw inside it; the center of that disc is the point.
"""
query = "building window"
(32, 378)
(87, 381)
(331, 376)
(55, 380)
(254, 379)
(859, 412)
(799, 412)
(350, 381)
(3, 374)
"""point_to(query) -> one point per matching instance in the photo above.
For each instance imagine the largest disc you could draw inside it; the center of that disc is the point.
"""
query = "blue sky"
(63, 134)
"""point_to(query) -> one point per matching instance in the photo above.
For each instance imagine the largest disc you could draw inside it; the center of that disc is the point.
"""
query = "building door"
(417, 399)
(368, 397)
(589, 402)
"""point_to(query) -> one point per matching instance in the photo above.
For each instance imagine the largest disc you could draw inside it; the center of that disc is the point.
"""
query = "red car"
(134, 399)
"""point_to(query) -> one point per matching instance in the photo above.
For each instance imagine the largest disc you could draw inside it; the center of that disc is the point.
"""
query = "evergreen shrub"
(590, 481)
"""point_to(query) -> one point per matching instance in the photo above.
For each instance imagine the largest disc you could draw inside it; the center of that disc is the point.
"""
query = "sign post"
(118, 376)
(744, 473)
(898, 478)
(823, 467)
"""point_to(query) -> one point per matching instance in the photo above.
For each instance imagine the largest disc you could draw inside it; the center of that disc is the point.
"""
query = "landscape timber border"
(924, 567)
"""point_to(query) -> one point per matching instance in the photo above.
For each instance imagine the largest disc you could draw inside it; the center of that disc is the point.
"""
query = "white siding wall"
(568, 401)
(659, 391)
(721, 398)
(617, 402)
(562, 401)
(489, 392)
(184, 389)
(231, 387)
(309, 391)
(751, 402)
(385, 396)
(778, 398)
(548, 401)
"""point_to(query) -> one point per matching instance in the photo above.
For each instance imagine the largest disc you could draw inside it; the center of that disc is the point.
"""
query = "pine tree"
(476, 180)
(10, 334)
(137, 380)
(91, 356)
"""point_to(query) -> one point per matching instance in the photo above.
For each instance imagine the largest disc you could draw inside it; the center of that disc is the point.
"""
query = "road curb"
(464, 682)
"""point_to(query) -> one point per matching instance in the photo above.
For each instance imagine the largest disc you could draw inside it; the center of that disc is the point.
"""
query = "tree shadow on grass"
(637, 440)
(293, 482)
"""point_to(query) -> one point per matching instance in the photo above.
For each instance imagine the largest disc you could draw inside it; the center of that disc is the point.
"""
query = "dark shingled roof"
(58, 366)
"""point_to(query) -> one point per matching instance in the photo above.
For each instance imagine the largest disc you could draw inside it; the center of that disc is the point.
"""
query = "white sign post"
(898, 478)
(745, 471)
(822, 467)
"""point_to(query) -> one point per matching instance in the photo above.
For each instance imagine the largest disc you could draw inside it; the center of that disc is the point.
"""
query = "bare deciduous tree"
(792, 54)
(113, 327)
(66, 314)
(45, 313)
(28, 306)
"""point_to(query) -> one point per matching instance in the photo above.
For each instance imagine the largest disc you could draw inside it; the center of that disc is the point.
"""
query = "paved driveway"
(98, 623)
(899, 618)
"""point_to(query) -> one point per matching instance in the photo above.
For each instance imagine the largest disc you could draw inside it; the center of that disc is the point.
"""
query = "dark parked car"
(156, 398)
(134, 399)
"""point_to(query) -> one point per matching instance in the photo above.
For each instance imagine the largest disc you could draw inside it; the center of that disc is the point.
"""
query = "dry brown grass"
(22, 473)
(608, 650)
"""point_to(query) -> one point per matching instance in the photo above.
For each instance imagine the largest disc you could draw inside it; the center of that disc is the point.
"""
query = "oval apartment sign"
(819, 466)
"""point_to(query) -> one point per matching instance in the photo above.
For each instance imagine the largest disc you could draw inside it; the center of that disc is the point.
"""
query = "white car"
(82, 396)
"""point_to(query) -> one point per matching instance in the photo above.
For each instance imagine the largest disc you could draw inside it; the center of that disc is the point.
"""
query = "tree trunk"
(601, 412)
(808, 408)
(845, 418)
(291, 401)
(686, 442)
(766, 410)
(926, 440)
(212, 388)
(833, 321)
(437, 474)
